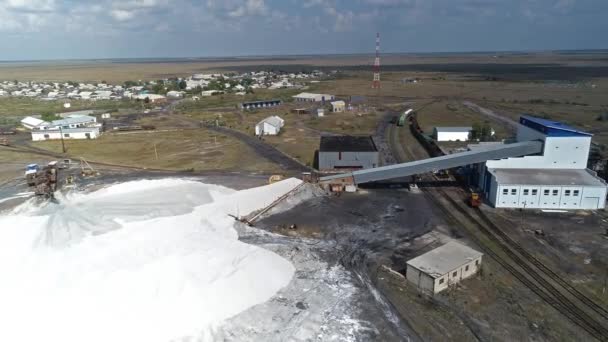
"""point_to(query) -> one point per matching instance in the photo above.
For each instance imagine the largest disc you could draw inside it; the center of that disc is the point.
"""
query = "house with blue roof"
(557, 178)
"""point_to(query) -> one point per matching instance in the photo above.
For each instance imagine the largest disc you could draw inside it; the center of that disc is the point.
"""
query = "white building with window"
(311, 97)
(68, 133)
(442, 267)
(556, 179)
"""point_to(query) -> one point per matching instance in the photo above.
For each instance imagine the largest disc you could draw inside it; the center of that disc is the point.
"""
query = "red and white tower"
(376, 82)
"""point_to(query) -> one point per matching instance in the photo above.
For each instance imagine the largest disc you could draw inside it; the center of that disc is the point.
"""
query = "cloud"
(29, 5)
(122, 15)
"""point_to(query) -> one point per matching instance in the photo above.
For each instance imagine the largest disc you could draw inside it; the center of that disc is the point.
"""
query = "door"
(590, 202)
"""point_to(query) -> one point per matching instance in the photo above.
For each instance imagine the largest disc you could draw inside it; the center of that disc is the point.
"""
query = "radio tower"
(376, 82)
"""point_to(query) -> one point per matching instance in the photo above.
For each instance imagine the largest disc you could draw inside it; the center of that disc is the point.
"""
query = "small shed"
(320, 112)
(447, 265)
(338, 106)
(270, 126)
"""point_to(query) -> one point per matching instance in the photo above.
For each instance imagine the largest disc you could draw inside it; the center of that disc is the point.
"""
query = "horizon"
(245, 56)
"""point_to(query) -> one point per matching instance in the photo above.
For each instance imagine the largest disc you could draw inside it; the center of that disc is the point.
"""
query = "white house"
(68, 133)
(153, 98)
(311, 97)
(444, 266)
(270, 126)
(451, 133)
(175, 94)
(31, 122)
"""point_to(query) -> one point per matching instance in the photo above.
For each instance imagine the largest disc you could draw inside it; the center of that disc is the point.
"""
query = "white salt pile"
(139, 261)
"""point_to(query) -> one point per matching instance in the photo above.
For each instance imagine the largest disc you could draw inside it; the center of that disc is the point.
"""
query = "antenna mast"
(376, 82)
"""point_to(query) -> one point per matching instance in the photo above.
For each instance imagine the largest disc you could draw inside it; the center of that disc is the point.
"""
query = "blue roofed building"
(557, 178)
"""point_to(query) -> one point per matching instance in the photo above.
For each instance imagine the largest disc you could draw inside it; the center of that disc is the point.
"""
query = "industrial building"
(310, 97)
(260, 104)
(68, 133)
(442, 267)
(348, 152)
(557, 178)
(338, 106)
(270, 126)
(451, 133)
(546, 168)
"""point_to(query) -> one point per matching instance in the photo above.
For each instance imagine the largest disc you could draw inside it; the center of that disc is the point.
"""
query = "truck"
(30, 174)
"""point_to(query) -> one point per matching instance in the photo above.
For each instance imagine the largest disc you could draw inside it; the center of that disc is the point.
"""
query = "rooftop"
(552, 177)
(550, 127)
(273, 121)
(73, 120)
(347, 144)
(454, 129)
(444, 259)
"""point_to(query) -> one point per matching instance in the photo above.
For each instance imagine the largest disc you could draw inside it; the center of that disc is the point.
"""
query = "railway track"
(551, 290)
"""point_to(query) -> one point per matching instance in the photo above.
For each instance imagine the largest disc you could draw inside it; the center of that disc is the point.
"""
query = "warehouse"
(310, 97)
(31, 122)
(556, 179)
(270, 126)
(69, 133)
(451, 133)
(260, 104)
(348, 152)
(442, 267)
(70, 122)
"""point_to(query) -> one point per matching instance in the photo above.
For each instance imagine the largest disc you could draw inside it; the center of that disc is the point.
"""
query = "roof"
(313, 96)
(551, 128)
(261, 101)
(444, 259)
(347, 144)
(73, 120)
(338, 103)
(550, 177)
(273, 121)
(454, 129)
(32, 121)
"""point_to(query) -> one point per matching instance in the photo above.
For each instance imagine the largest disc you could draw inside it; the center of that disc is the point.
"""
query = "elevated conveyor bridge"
(434, 164)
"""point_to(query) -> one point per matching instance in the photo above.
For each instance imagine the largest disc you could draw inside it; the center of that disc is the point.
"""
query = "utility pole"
(62, 142)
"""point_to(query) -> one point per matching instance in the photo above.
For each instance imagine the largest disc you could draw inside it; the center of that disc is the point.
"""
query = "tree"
(48, 117)
(182, 85)
(475, 131)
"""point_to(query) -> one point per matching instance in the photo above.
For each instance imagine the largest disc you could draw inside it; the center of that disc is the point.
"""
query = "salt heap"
(155, 260)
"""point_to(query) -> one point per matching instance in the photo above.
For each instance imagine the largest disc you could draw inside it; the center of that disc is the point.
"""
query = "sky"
(85, 29)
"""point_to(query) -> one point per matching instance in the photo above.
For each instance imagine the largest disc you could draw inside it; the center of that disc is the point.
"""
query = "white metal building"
(270, 126)
(442, 267)
(451, 133)
(556, 179)
(311, 97)
(31, 122)
(69, 122)
(68, 133)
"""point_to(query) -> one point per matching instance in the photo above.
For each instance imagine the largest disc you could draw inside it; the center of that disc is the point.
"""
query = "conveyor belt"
(439, 163)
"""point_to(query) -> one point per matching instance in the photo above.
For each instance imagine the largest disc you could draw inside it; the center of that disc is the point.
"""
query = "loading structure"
(435, 164)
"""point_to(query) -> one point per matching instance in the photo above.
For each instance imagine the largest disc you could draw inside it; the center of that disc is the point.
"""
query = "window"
(466, 268)
(534, 192)
(526, 191)
(454, 274)
(575, 193)
(441, 281)
(555, 192)
(46, 136)
(505, 191)
(67, 135)
(567, 193)
(546, 192)
(476, 262)
(513, 191)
